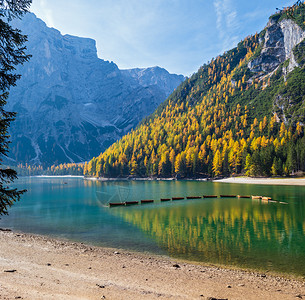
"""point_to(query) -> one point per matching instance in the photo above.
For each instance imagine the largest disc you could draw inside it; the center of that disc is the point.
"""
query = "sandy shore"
(271, 181)
(36, 267)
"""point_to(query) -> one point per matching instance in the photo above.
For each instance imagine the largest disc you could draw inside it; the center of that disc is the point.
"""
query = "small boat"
(241, 196)
(193, 197)
(257, 197)
(209, 196)
(177, 198)
(165, 199)
(227, 196)
(131, 202)
(283, 202)
(146, 201)
(266, 198)
(116, 204)
(273, 201)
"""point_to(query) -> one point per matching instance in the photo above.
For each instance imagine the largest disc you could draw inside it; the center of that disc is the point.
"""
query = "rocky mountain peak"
(155, 76)
(71, 104)
(279, 40)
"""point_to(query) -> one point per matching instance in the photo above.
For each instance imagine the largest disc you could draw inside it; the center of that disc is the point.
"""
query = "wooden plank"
(146, 201)
(177, 198)
(116, 204)
(131, 202)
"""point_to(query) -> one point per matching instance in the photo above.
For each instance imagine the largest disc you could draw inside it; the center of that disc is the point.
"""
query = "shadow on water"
(231, 231)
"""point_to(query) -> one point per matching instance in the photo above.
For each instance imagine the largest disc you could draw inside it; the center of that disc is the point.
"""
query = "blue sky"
(179, 35)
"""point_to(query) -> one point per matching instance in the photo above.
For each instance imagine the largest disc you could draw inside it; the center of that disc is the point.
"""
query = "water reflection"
(241, 232)
(228, 231)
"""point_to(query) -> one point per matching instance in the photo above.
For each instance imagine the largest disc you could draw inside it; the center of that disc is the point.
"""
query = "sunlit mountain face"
(71, 104)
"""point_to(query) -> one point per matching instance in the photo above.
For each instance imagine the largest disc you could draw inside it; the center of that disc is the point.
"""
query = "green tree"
(11, 54)
(291, 162)
(277, 167)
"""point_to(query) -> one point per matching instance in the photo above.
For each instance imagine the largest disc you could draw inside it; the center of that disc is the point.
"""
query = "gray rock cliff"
(72, 105)
(280, 38)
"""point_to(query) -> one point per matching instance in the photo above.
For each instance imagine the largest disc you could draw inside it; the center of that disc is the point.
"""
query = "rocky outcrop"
(72, 105)
(155, 76)
(280, 38)
(293, 35)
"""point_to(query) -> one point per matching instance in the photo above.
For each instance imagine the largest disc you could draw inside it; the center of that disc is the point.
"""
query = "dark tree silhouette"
(11, 54)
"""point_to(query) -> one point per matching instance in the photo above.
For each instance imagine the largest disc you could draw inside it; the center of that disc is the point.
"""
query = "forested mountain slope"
(243, 112)
(71, 104)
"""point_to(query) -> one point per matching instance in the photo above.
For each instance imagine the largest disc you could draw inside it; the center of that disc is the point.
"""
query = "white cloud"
(226, 22)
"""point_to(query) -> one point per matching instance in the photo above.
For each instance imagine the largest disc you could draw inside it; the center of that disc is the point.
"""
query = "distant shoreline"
(238, 180)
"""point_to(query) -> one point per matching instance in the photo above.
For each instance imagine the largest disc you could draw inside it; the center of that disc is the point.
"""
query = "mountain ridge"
(72, 104)
(243, 112)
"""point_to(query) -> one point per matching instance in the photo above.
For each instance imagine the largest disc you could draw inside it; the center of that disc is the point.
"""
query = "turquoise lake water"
(231, 231)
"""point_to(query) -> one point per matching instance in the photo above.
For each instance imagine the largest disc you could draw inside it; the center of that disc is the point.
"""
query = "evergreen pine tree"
(11, 54)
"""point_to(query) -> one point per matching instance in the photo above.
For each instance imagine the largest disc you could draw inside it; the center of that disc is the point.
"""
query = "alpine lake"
(246, 233)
